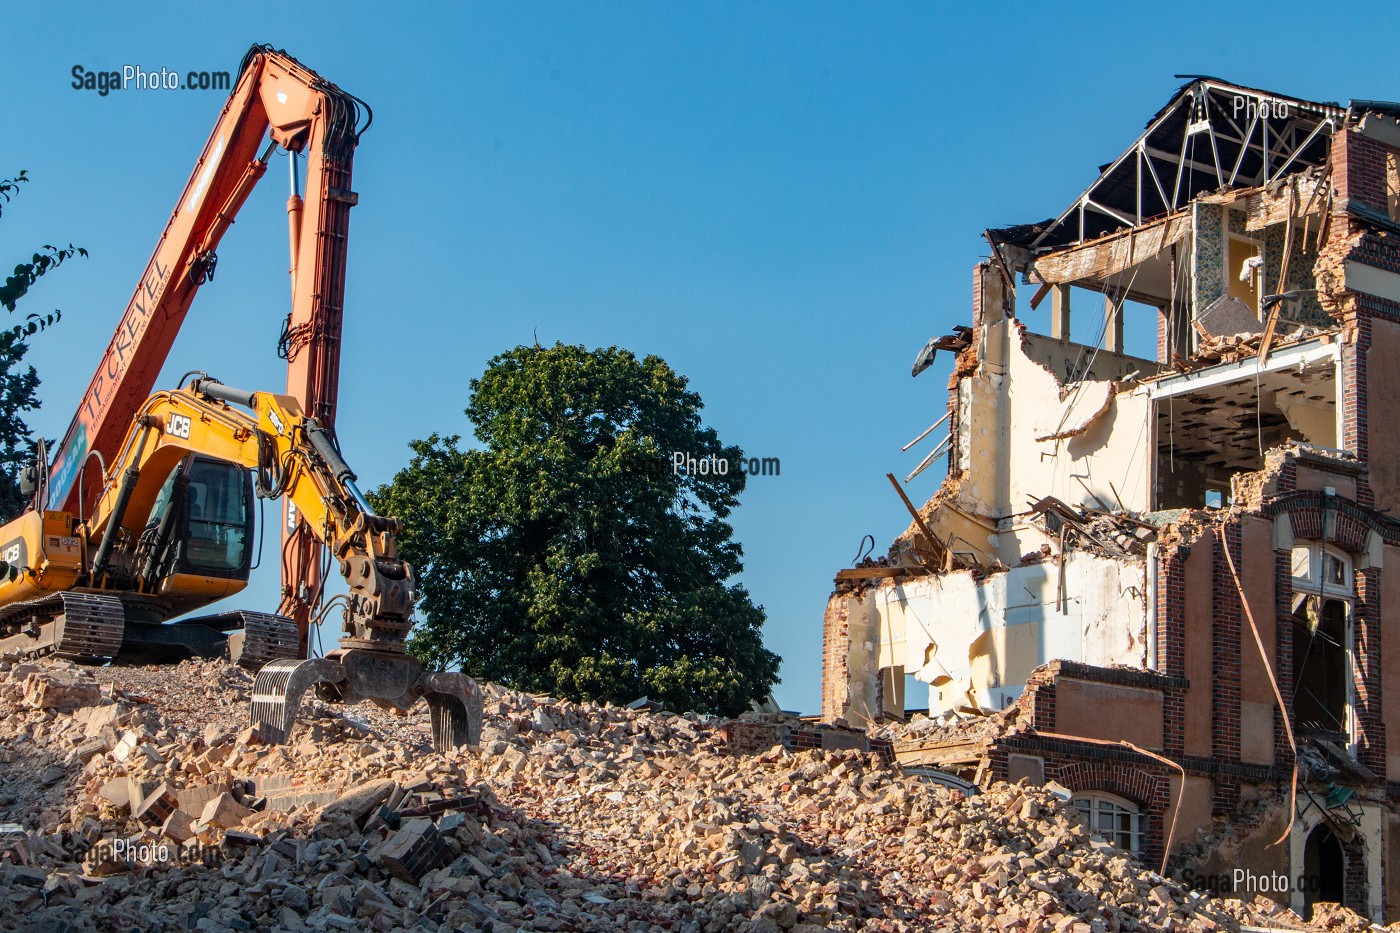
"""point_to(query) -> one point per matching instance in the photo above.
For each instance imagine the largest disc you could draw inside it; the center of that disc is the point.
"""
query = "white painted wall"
(1014, 416)
(976, 643)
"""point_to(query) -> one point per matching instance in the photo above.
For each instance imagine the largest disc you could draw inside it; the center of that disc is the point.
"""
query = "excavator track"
(248, 639)
(265, 638)
(78, 626)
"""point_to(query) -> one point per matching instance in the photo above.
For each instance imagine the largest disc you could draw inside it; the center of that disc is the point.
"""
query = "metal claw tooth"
(456, 706)
(392, 681)
(277, 693)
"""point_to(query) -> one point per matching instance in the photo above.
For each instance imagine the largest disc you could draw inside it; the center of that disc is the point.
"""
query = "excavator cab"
(196, 548)
(193, 547)
(201, 524)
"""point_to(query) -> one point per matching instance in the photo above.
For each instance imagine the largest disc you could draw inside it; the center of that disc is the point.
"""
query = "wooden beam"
(937, 545)
(951, 753)
(1039, 295)
(1009, 301)
(877, 573)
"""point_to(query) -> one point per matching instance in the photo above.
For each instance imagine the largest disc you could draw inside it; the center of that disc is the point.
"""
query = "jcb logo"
(15, 554)
(179, 426)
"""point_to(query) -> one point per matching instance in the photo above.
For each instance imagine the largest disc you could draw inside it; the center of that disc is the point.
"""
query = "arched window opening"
(1321, 665)
(1321, 569)
(1117, 820)
(1324, 870)
(1323, 587)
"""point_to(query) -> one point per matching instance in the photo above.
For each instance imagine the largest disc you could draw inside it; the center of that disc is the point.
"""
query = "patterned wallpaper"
(1208, 260)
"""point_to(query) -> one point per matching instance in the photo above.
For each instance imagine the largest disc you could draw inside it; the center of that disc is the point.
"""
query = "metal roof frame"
(1211, 136)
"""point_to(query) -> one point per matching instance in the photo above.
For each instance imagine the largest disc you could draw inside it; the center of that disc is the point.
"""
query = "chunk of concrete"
(416, 849)
(61, 690)
(158, 805)
(357, 802)
(223, 812)
(178, 826)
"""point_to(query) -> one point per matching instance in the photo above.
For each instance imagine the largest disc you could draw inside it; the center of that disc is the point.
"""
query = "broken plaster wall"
(976, 639)
(1023, 436)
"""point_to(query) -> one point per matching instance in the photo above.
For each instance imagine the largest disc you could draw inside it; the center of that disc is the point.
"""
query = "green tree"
(19, 384)
(568, 556)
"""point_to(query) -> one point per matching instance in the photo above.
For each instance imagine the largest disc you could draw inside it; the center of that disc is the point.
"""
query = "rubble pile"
(1231, 348)
(954, 726)
(133, 799)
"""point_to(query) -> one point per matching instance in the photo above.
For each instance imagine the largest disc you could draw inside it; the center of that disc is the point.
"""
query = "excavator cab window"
(210, 512)
(220, 516)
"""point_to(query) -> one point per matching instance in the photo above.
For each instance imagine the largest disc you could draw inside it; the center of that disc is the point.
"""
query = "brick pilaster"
(1225, 665)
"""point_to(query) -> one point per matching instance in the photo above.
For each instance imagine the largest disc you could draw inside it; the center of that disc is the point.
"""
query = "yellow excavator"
(277, 104)
(146, 512)
(171, 532)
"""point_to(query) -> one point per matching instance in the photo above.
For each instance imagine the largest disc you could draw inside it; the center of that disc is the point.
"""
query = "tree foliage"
(19, 384)
(568, 556)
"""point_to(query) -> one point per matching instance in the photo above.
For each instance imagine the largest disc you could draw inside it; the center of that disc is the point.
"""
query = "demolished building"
(1168, 583)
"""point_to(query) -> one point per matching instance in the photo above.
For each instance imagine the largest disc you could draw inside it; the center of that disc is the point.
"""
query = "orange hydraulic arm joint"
(277, 102)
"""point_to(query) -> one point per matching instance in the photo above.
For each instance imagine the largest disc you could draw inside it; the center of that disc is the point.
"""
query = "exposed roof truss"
(1211, 136)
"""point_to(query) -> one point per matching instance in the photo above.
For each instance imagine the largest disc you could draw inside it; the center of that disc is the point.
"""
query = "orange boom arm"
(276, 103)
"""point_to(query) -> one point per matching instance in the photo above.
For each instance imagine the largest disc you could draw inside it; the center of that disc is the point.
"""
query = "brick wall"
(1283, 652)
(1171, 641)
(1225, 680)
(754, 737)
(835, 653)
(1358, 168)
(1355, 425)
(1352, 525)
(1079, 767)
(1366, 672)
(1355, 886)
(979, 271)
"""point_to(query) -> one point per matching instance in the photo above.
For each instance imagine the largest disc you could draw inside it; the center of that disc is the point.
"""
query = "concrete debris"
(1227, 316)
(157, 806)
(60, 690)
(414, 850)
(569, 817)
(223, 812)
(1232, 347)
(178, 826)
(1117, 534)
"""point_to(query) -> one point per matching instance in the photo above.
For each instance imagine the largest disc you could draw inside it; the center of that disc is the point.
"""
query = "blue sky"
(783, 200)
